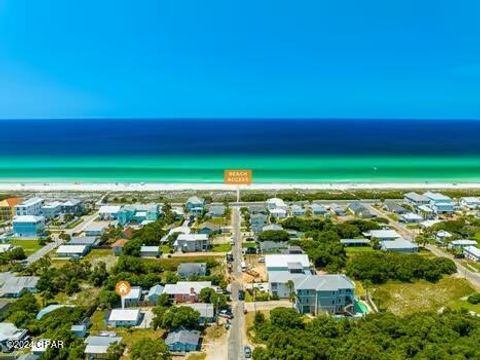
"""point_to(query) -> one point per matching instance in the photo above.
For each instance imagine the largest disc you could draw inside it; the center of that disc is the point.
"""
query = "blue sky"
(250, 58)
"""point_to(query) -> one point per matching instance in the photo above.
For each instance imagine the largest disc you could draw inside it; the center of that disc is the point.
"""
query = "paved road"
(235, 340)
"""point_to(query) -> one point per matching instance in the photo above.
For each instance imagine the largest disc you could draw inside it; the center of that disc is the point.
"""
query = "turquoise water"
(266, 169)
(280, 151)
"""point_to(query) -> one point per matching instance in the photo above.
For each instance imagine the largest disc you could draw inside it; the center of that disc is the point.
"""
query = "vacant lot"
(407, 298)
(29, 246)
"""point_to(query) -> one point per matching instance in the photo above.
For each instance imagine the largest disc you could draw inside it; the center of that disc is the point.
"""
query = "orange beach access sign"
(237, 177)
(123, 288)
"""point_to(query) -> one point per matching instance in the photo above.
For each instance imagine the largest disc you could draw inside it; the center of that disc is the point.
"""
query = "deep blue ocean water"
(239, 137)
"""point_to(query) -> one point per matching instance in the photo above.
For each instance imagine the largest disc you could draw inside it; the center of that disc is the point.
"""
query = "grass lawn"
(249, 244)
(165, 249)
(217, 221)
(196, 356)
(29, 246)
(407, 298)
(249, 320)
(72, 224)
(221, 247)
(105, 255)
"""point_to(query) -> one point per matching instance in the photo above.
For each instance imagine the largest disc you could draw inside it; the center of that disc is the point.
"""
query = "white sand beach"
(129, 187)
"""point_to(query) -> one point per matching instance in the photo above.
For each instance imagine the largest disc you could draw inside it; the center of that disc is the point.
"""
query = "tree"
(149, 349)
(99, 274)
(291, 292)
(158, 312)
(115, 351)
(274, 235)
(181, 316)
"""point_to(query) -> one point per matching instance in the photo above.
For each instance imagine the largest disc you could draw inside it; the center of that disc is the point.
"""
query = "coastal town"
(210, 275)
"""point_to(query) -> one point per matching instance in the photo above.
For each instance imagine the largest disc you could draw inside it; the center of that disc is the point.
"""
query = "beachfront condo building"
(7, 208)
(32, 206)
(28, 225)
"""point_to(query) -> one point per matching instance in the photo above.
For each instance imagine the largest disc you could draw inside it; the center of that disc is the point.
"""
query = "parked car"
(225, 314)
(247, 351)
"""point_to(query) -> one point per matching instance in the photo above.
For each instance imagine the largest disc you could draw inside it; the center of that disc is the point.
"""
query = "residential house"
(411, 218)
(318, 209)
(287, 262)
(182, 340)
(9, 334)
(6, 247)
(426, 212)
(79, 330)
(216, 211)
(195, 205)
(442, 236)
(297, 210)
(132, 299)
(272, 227)
(268, 247)
(472, 253)
(7, 208)
(150, 251)
(50, 308)
(139, 213)
(52, 209)
(15, 286)
(32, 206)
(355, 242)
(294, 249)
(209, 228)
(97, 346)
(95, 229)
(461, 244)
(399, 245)
(191, 242)
(415, 199)
(117, 246)
(179, 213)
(337, 210)
(28, 225)
(470, 202)
(186, 291)
(257, 222)
(276, 203)
(109, 212)
(88, 241)
(186, 270)
(124, 317)
(360, 210)
(323, 293)
(440, 203)
(154, 293)
(73, 206)
(72, 251)
(394, 207)
(207, 312)
(279, 213)
(382, 235)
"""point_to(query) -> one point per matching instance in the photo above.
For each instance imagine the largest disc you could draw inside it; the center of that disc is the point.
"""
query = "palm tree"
(291, 292)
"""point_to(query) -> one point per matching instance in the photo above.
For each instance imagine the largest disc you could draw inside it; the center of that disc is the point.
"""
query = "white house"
(415, 199)
(109, 212)
(150, 251)
(32, 206)
(442, 235)
(472, 253)
(276, 203)
(382, 235)
(279, 213)
(411, 218)
(72, 251)
(470, 202)
(97, 346)
(293, 263)
(461, 244)
(133, 297)
(10, 333)
(191, 242)
(399, 245)
(124, 317)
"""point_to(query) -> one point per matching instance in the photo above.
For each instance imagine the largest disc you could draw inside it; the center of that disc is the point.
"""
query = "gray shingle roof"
(183, 336)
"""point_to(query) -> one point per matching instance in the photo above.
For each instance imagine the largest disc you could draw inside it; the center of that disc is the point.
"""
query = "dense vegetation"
(378, 267)
(450, 335)
(273, 235)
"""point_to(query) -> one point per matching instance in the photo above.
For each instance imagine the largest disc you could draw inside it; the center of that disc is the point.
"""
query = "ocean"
(278, 151)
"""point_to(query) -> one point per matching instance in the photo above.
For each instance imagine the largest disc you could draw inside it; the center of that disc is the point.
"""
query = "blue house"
(182, 340)
(442, 204)
(154, 293)
(28, 225)
(195, 204)
(79, 330)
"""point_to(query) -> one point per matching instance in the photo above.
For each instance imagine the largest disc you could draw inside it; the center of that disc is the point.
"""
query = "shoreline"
(139, 187)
